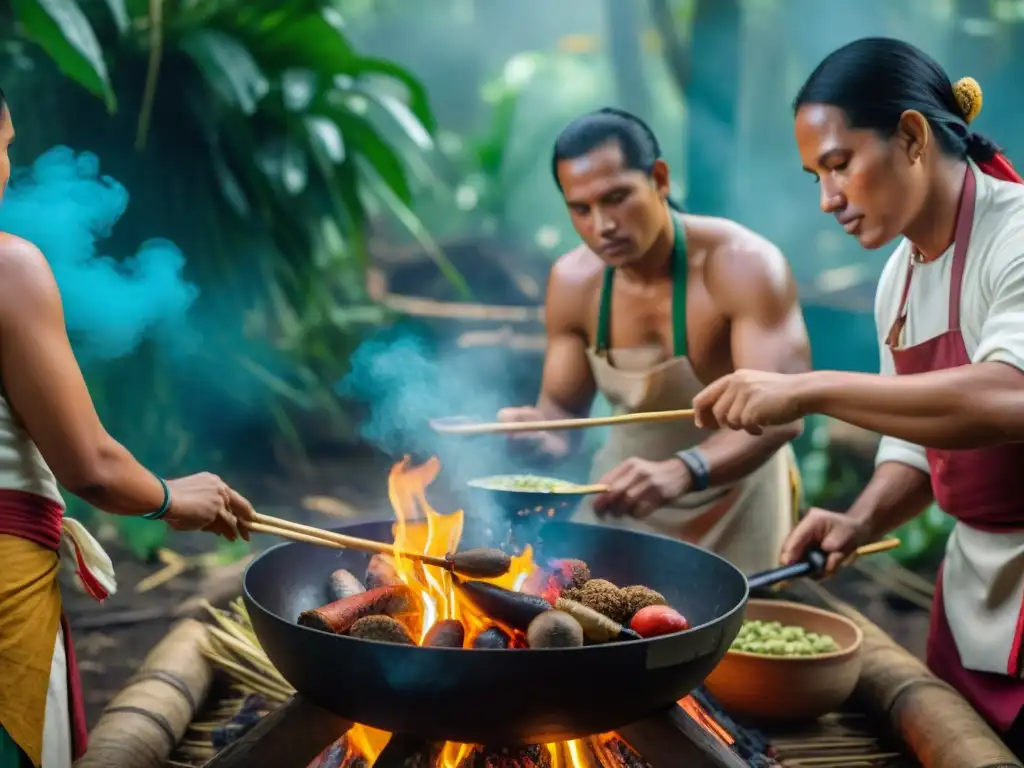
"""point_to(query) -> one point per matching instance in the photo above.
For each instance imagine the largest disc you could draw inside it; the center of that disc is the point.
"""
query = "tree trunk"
(624, 37)
(712, 102)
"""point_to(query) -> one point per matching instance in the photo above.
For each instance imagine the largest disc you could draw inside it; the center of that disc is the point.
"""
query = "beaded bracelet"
(163, 507)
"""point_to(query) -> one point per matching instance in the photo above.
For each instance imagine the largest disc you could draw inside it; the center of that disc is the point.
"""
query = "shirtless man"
(652, 307)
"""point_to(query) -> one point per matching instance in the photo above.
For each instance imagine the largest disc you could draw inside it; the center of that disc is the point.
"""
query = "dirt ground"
(112, 640)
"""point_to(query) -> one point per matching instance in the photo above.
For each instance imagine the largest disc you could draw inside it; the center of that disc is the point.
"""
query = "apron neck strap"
(961, 242)
(679, 268)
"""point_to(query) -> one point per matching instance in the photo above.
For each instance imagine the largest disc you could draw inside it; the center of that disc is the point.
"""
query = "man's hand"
(837, 535)
(638, 488)
(750, 400)
(548, 444)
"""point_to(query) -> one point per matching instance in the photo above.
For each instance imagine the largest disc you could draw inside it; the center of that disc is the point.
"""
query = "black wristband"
(698, 466)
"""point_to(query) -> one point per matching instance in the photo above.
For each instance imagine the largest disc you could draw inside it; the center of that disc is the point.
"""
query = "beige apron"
(746, 522)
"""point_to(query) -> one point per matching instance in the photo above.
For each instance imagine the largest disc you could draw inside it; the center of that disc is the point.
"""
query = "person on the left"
(50, 434)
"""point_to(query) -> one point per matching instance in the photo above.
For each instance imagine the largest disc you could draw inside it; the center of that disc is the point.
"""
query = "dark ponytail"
(876, 79)
(639, 145)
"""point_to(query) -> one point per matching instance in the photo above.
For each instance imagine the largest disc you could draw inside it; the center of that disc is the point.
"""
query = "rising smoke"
(65, 207)
(404, 382)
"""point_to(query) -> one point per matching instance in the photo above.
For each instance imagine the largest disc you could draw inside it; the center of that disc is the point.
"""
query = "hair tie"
(967, 93)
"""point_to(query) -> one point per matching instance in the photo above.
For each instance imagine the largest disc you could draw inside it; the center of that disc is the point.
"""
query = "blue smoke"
(65, 207)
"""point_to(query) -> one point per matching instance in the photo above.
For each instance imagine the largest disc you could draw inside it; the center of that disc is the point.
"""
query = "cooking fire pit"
(692, 734)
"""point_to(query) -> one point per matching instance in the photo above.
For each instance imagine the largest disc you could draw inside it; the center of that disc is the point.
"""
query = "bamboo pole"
(145, 721)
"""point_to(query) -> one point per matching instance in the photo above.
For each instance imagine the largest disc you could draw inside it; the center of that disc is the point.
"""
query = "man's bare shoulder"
(25, 275)
(741, 265)
(578, 268)
(574, 279)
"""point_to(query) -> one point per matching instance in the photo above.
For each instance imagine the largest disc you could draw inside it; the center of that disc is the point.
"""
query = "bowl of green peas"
(789, 662)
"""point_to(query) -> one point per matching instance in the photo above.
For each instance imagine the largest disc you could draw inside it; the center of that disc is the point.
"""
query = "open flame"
(420, 528)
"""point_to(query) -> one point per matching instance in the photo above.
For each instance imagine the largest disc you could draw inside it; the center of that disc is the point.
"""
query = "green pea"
(774, 639)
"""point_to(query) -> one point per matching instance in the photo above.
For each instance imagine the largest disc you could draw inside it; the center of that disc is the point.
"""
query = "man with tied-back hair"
(654, 305)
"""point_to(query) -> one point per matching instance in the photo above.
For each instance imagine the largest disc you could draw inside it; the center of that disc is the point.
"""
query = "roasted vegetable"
(597, 627)
(605, 598)
(339, 616)
(343, 584)
(448, 633)
(380, 572)
(554, 629)
(481, 563)
(638, 597)
(655, 620)
(383, 629)
(492, 637)
(513, 609)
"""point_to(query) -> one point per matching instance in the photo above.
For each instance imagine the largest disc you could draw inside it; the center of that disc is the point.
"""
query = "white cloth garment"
(983, 576)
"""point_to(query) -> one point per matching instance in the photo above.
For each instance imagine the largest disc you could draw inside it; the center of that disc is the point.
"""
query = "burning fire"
(420, 528)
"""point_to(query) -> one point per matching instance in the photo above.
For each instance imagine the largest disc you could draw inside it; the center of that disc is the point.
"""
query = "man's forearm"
(731, 456)
(958, 408)
(895, 494)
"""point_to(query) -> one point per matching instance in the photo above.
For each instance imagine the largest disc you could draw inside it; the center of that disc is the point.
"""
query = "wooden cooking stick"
(307, 534)
(446, 427)
(595, 488)
(476, 563)
(879, 546)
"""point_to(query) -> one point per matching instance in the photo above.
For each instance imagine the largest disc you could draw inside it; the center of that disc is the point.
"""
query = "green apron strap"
(604, 312)
(679, 274)
(680, 268)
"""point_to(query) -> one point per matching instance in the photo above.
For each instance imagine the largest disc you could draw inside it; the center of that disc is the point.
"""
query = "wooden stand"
(672, 739)
(289, 737)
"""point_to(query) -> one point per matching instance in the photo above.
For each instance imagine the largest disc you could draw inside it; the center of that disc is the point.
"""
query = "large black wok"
(501, 696)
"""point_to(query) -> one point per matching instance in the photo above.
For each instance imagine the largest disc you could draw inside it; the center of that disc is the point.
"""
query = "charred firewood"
(533, 756)
(343, 584)
(615, 751)
(380, 572)
(446, 634)
(492, 637)
(513, 609)
(339, 616)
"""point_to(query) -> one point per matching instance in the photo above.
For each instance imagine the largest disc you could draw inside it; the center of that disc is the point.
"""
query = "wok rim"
(594, 649)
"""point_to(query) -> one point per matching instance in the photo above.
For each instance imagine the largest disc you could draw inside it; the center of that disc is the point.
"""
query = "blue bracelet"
(158, 514)
(698, 466)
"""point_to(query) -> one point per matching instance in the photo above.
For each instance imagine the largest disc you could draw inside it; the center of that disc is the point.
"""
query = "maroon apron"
(982, 488)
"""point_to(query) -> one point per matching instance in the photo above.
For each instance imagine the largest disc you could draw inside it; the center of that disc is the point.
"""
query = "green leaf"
(416, 228)
(62, 30)
(361, 138)
(228, 67)
(119, 10)
(419, 100)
